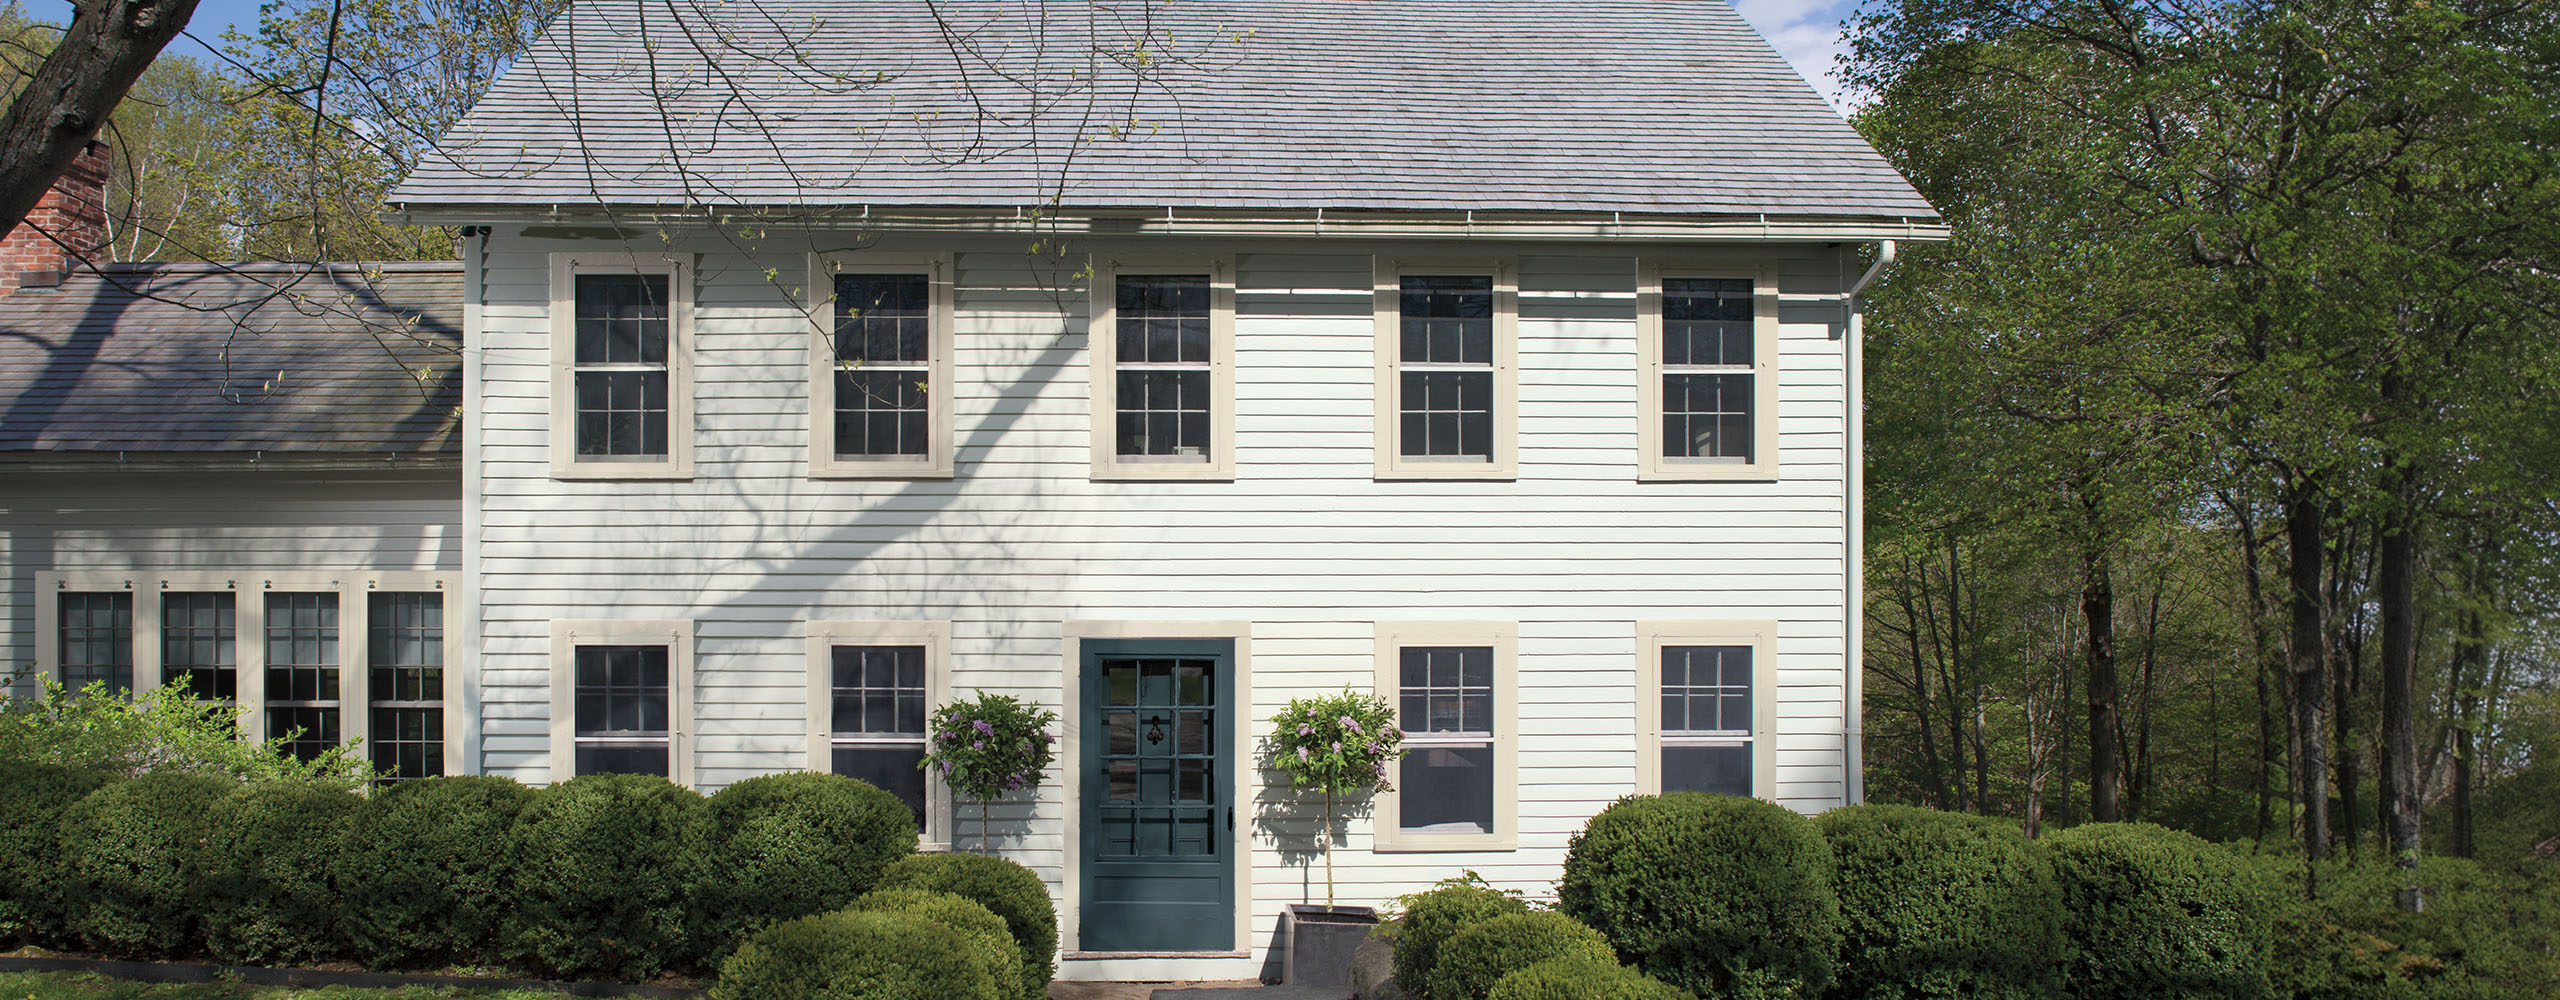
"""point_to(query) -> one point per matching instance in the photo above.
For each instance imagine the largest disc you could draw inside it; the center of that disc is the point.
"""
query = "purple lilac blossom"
(981, 726)
(1350, 723)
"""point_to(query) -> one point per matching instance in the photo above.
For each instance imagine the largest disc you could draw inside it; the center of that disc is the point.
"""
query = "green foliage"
(2155, 914)
(425, 877)
(1936, 904)
(1426, 920)
(2484, 933)
(1480, 954)
(1581, 977)
(979, 927)
(1339, 744)
(33, 798)
(789, 845)
(267, 896)
(90, 986)
(131, 853)
(604, 862)
(859, 955)
(1008, 889)
(98, 729)
(1710, 893)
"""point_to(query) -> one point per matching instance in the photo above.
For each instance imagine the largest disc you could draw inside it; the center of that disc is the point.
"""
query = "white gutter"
(1853, 742)
(467, 732)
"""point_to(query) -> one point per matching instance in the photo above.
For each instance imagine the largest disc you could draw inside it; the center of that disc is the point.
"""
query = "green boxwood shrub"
(33, 798)
(859, 955)
(2156, 914)
(424, 879)
(130, 854)
(265, 884)
(1010, 890)
(982, 930)
(1581, 977)
(1480, 954)
(1710, 893)
(1939, 904)
(1426, 920)
(603, 863)
(789, 845)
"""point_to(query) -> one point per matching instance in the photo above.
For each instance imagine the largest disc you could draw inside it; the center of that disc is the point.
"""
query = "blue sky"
(1807, 32)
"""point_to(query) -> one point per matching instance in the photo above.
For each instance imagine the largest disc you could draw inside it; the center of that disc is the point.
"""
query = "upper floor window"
(1455, 689)
(1709, 382)
(880, 373)
(621, 335)
(1163, 368)
(1704, 714)
(96, 640)
(1448, 386)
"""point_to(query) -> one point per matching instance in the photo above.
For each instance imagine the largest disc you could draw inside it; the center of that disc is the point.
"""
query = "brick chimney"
(66, 228)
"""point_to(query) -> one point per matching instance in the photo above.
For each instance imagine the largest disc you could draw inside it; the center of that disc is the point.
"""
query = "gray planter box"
(1318, 941)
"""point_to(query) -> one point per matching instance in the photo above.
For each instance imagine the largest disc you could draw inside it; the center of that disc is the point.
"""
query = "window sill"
(840, 469)
(1163, 472)
(1483, 471)
(1421, 843)
(1757, 472)
(670, 470)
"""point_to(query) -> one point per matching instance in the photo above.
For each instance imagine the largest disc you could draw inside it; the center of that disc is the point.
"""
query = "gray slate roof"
(267, 357)
(1581, 106)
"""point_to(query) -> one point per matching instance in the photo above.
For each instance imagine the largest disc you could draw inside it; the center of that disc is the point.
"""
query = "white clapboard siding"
(202, 522)
(1305, 544)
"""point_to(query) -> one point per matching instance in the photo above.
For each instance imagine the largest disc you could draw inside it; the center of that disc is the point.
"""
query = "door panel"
(1157, 797)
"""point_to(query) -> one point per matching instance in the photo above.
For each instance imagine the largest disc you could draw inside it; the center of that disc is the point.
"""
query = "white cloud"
(1807, 33)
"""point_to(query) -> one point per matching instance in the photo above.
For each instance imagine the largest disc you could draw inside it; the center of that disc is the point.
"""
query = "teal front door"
(1158, 810)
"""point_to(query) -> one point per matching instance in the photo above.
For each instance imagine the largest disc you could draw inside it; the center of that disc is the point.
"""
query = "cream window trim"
(1503, 638)
(1651, 465)
(939, 270)
(567, 636)
(1388, 308)
(1102, 335)
(249, 619)
(679, 269)
(935, 637)
(1762, 637)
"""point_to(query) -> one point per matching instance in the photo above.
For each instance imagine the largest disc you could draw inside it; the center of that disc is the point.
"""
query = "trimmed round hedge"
(265, 884)
(789, 845)
(421, 881)
(978, 926)
(1941, 904)
(2150, 912)
(130, 855)
(33, 798)
(604, 863)
(1482, 953)
(1010, 890)
(1430, 917)
(860, 955)
(1710, 893)
(1576, 977)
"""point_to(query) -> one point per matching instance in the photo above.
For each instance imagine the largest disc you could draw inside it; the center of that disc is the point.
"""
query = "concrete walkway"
(1240, 989)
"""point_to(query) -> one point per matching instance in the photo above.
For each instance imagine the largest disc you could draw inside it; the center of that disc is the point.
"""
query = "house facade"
(1157, 364)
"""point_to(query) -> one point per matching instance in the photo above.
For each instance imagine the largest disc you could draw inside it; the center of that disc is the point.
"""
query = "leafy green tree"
(158, 730)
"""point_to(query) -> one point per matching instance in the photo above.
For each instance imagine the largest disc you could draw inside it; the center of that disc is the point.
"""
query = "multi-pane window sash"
(96, 640)
(199, 639)
(621, 373)
(1707, 391)
(405, 654)
(877, 731)
(1445, 367)
(302, 671)
(883, 357)
(621, 701)
(1446, 709)
(1707, 719)
(1162, 383)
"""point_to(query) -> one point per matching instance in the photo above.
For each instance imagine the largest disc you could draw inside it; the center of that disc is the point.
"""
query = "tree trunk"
(2097, 606)
(2399, 764)
(2467, 657)
(1328, 847)
(107, 46)
(2302, 514)
(2255, 591)
(2343, 748)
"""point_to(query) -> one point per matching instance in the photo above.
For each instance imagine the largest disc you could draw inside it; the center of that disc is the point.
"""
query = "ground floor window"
(871, 685)
(621, 698)
(1703, 713)
(1455, 691)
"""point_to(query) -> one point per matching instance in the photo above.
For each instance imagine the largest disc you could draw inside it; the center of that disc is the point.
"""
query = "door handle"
(1231, 819)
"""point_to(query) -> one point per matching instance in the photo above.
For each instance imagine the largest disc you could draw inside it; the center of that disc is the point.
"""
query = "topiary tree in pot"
(1337, 746)
(989, 747)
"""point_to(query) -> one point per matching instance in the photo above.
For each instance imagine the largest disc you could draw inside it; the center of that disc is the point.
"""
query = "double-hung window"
(1163, 348)
(881, 367)
(1455, 694)
(1708, 389)
(1447, 350)
(302, 654)
(870, 687)
(621, 335)
(621, 694)
(1704, 711)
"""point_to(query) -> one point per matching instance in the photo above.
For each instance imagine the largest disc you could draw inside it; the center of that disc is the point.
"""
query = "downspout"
(469, 735)
(1853, 413)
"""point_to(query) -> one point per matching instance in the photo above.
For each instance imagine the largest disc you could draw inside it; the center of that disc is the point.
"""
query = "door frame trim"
(1070, 756)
